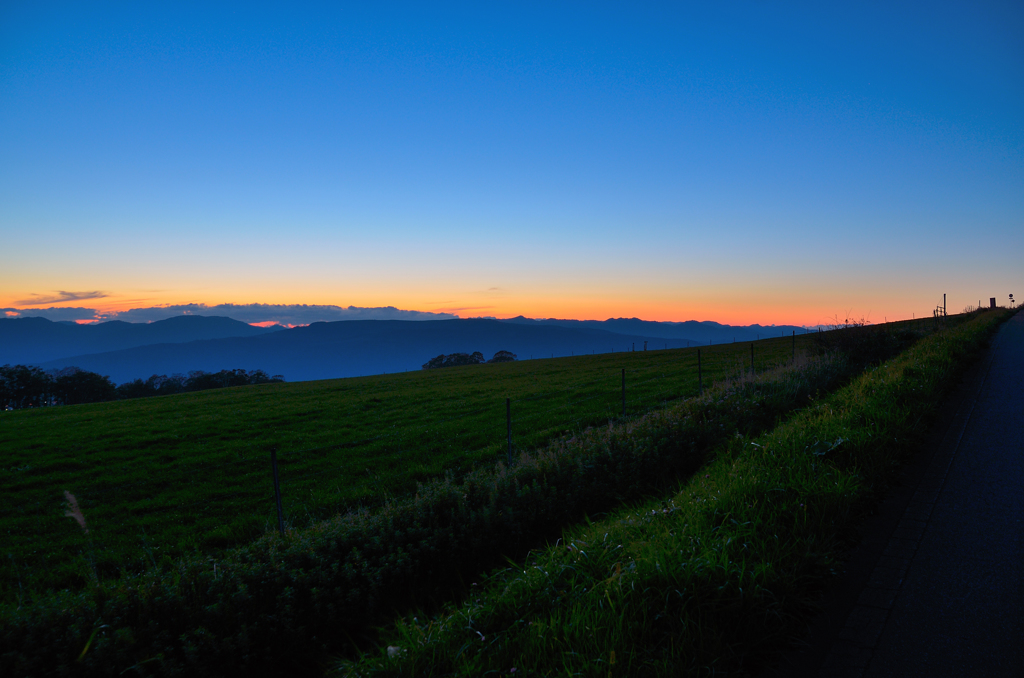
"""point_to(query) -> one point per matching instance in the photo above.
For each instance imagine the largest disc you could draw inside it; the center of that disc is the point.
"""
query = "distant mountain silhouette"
(698, 332)
(358, 347)
(126, 351)
(37, 340)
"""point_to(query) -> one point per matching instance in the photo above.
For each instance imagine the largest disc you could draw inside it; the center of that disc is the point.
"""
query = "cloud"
(446, 311)
(55, 314)
(60, 298)
(285, 314)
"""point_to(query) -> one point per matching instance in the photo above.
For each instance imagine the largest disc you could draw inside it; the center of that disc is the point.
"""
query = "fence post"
(700, 379)
(508, 424)
(794, 347)
(751, 360)
(623, 391)
(277, 492)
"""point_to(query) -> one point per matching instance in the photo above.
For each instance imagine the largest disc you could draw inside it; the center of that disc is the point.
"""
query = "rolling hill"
(32, 341)
(694, 330)
(357, 347)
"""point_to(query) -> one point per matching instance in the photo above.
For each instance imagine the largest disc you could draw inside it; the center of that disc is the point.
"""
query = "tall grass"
(707, 580)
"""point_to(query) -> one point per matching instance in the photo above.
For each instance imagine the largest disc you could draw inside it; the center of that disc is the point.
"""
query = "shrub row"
(712, 579)
(25, 386)
(280, 604)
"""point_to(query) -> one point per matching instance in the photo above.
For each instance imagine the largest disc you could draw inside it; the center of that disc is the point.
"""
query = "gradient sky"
(738, 162)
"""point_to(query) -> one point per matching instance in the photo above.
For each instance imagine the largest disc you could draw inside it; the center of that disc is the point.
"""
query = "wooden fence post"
(277, 492)
(508, 424)
(700, 379)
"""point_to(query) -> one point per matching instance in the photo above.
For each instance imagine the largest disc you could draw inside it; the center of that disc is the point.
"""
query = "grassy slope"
(298, 592)
(162, 476)
(708, 580)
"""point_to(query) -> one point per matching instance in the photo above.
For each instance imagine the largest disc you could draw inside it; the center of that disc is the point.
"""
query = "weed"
(76, 513)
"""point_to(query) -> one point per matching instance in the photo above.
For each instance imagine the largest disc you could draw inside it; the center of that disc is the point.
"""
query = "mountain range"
(33, 341)
(126, 351)
(692, 330)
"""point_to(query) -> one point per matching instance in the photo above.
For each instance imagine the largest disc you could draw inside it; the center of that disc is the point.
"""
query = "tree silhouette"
(23, 386)
(78, 387)
(503, 357)
(454, 360)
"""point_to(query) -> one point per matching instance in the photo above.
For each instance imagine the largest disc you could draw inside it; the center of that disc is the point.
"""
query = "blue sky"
(748, 162)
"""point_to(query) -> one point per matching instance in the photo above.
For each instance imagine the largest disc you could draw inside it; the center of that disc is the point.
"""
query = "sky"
(742, 162)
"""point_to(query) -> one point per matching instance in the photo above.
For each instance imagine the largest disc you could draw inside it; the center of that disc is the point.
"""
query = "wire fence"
(213, 491)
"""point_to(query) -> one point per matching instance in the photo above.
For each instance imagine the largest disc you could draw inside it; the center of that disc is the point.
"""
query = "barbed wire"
(538, 416)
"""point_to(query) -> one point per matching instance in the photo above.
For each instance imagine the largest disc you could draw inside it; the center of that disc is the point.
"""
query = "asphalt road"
(936, 587)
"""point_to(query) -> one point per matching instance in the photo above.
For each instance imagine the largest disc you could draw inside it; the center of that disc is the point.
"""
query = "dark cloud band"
(285, 314)
(54, 314)
(60, 298)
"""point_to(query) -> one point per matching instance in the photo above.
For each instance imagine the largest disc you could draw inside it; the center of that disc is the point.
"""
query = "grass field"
(159, 477)
(713, 579)
(278, 605)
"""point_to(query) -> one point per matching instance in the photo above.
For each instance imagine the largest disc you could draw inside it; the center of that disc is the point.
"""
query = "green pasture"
(162, 476)
(716, 578)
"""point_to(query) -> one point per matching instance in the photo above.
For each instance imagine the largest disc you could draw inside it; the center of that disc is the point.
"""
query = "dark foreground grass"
(711, 579)
(162, 477)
